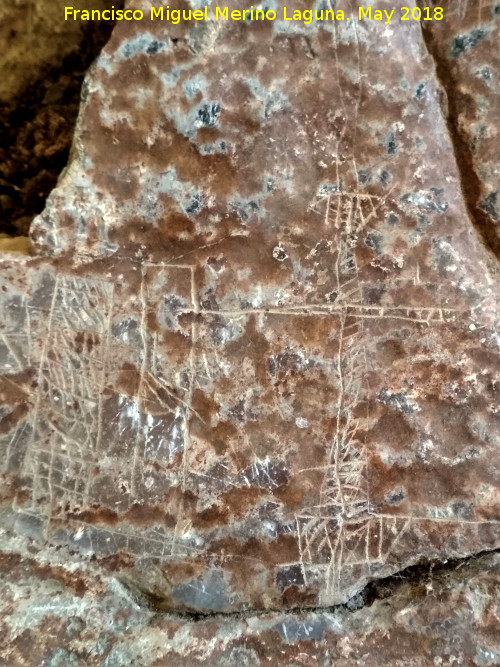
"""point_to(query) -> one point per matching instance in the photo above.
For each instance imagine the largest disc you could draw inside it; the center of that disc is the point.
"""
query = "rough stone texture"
(255, 365)
(449, 617)
(465, 47)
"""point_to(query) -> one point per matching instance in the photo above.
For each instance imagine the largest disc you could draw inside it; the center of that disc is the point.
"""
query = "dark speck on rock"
(245, 209)
(486, 73)
(462, 510)
(374, 241)
(332, 297)
(390, 144)
(194, 205)
(395, 496)
(153, 48)
(289, 575)
(270, 184)
(385, 177)
(279, 254)
(491, 206)
(420, 91)
(364, 176)
(396, 400)
(373, 295)
(209, 113)
(463, 43)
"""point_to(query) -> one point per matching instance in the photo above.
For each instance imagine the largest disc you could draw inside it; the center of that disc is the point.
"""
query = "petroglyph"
(91, 325)
(259, 367)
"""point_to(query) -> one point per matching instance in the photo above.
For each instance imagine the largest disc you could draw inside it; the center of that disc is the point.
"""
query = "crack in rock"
(472, 187)
(419, 579)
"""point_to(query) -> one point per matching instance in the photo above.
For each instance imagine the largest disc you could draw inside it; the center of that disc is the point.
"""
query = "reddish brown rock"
(434, 615)
(256, 359)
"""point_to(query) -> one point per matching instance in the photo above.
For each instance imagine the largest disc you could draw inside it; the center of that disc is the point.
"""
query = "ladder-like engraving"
(65, 421)
(66, 426)
(15, 334)
(164, 402)
(342, 530)
(334, 531)
(418, 315)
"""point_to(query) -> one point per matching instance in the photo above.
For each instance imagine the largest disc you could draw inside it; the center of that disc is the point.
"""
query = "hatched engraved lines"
(346, 212)
(153, 543)
(70, 380)
(173, 401)
(338, 531)
(16, 338)
(145, 349)
(334, 531)
(430, 315)
(67, 422)
(10, 355)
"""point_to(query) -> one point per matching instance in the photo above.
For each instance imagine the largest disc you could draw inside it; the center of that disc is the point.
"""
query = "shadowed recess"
(44, 61)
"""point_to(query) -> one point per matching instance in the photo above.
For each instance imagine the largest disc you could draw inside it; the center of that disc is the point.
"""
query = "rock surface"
(465, 48)
(255, 364)
(441, 617)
